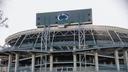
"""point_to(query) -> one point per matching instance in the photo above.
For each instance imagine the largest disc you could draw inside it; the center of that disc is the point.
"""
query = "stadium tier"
(66, 46)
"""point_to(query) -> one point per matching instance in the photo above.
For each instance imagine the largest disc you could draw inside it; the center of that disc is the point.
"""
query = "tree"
(3, 20)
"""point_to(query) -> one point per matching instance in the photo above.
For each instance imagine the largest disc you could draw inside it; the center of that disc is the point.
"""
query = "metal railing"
(68, 69)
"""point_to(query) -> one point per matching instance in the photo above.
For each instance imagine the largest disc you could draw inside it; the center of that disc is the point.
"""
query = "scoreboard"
(64, 17)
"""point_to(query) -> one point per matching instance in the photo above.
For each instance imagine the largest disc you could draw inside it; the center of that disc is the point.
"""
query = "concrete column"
(117, 60)
(0, 66)
(126, 58)
(41, 62)
(96, 61)
(45, 63)
(80, 61)
(16, 62)
(85, 60)
(51, 63)
(74, 60)
(9, 62)
(51, 60)
(33, 62)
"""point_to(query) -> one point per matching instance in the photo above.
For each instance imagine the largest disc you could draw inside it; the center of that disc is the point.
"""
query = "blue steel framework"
(82, 48)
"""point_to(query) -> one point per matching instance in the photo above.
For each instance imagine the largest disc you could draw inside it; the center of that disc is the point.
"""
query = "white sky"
(22, 13)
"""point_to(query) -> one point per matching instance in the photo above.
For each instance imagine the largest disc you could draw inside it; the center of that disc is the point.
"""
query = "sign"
(64, 17)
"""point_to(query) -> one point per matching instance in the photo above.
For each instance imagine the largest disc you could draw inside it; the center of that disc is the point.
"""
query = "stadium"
(74, 45)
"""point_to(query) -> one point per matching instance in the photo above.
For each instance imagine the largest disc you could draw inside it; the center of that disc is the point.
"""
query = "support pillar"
(51, 63)
(74, 60)
(117, 60)
(45, 63)
(85, 60)
(126, 58)
(33, 62)
(41, 59)
(0, 66)
(51, 60)
(16, 62)
(9, 62)
(96, 61)
(80, 61)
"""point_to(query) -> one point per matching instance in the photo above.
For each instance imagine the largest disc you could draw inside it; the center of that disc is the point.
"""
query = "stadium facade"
(69, 45)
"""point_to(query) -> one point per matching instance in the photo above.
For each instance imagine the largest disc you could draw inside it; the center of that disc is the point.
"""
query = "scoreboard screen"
(64, 17)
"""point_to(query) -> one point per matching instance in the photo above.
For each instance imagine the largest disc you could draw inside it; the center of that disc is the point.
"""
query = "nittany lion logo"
(63, 17)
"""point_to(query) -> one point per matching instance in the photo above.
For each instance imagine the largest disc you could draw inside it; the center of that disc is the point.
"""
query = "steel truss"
(49, 43)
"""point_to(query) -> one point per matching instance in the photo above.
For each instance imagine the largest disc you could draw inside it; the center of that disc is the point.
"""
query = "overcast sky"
(22, 13)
